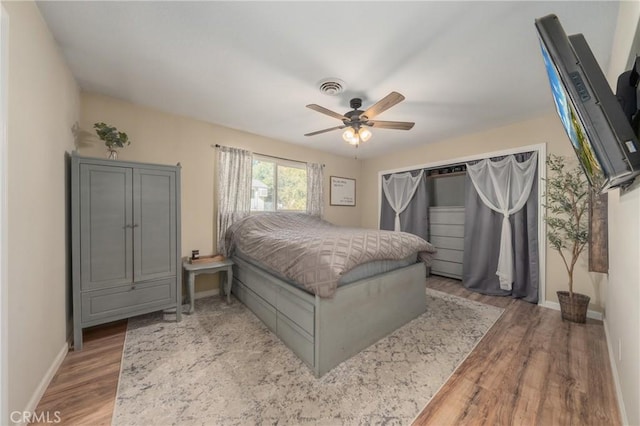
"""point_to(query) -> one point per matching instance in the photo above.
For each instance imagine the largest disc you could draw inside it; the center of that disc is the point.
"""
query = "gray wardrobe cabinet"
(125, 225)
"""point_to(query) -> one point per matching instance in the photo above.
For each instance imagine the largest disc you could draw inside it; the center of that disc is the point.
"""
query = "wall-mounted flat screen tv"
(602, 137)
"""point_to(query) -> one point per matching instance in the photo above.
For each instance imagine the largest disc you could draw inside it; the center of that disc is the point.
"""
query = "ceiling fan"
(357, 121)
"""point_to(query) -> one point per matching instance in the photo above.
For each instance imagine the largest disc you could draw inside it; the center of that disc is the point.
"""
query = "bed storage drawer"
(298, 310)
(296, 338)
(259, 284)
(262, 309)
(287, 314)
(315, 329)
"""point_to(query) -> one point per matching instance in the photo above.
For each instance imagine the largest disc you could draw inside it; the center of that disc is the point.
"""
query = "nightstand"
(194, 269)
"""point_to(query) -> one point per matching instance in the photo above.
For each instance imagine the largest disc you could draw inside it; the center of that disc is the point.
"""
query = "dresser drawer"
(440, 230)
(449, 255)
(447, 215)
(451, 243)
(448, 269)
(118, 302)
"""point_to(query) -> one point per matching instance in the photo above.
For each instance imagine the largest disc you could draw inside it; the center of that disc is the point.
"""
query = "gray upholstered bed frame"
(325, 332)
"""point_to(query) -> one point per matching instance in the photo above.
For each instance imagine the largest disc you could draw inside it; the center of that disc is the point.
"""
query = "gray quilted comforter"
(313, 252)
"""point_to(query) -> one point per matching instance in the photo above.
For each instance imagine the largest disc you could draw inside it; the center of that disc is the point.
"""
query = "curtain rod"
(266, 155)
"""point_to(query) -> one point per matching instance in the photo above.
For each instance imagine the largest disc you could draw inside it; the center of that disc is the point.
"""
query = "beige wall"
(545, 129)
(43, 105)
(159, 137)
(622, 313)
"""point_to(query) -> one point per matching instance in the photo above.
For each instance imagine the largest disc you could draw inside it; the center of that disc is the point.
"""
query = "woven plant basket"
(574, 308)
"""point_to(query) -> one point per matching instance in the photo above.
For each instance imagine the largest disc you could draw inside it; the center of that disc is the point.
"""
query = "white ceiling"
(462, 66)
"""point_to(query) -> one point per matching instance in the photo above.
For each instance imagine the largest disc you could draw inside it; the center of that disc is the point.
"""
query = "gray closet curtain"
(482, 244)
(414, 219)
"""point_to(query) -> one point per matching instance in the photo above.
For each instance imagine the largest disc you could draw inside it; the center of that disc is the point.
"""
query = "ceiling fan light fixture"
(356, 122)
(349, 134)
(354, 136)
(365, 134)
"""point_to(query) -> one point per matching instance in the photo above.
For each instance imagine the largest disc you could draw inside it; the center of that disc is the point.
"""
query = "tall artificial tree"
(567, 211)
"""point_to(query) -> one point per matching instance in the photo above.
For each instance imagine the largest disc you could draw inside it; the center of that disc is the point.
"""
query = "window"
(278, 185)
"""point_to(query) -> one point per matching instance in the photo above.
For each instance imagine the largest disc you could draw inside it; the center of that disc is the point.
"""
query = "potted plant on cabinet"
(567, 219)
(112, 138)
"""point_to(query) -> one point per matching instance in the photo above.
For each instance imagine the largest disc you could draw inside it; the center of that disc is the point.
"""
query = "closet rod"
(266, 155)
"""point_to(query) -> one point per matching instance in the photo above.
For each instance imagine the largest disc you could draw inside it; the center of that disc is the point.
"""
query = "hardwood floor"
(530, 368)
(83, 391)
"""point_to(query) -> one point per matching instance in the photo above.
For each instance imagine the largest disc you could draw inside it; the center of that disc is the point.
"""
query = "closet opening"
(482, 213)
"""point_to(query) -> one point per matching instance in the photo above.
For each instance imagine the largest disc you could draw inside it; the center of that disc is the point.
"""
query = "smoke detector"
(331, 86)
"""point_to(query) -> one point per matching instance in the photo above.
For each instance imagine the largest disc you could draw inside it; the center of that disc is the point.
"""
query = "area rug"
(222, 366)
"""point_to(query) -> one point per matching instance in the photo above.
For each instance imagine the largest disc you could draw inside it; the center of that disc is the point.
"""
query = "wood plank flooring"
(530, 369)
(83, 391)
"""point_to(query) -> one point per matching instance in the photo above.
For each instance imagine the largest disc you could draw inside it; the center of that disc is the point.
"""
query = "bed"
(326, 291)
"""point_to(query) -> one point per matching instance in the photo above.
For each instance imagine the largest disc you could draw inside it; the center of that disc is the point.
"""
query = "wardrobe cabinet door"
(154, 221)
(105, 226)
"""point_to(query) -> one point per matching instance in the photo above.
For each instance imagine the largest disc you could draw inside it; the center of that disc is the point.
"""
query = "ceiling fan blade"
(398, 125)
(325, 130)
(328, 112)
(383, 104)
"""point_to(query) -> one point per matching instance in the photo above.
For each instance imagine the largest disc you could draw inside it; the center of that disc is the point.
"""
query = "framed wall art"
(342, 191)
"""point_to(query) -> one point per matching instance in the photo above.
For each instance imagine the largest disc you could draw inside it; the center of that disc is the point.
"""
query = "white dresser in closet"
(446, 231)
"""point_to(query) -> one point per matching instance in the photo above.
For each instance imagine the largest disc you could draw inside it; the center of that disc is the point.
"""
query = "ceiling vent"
(332, 86)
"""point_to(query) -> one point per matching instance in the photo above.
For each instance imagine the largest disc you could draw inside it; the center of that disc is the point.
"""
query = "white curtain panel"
(399, 189)
(504, 186)
(234, 189)
(315, 196)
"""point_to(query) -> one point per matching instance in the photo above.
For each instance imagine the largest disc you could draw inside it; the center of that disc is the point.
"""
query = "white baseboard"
(46, 379)
(207, 293)
(556, 306)
(616, 380)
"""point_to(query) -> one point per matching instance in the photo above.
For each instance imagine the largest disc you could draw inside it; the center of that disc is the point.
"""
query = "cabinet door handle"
(128, 226)
(135, 225)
